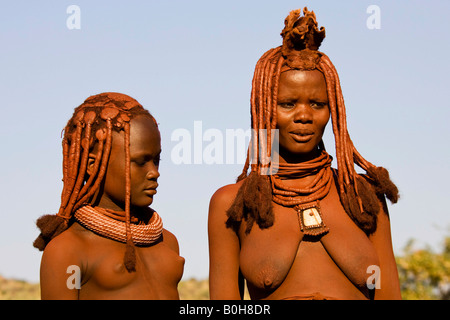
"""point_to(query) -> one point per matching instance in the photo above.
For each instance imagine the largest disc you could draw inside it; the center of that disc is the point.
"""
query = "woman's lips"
(302, 135)
(150, 192)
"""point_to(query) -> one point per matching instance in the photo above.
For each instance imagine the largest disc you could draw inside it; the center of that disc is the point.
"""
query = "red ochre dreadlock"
(91, 128)
(358, 193)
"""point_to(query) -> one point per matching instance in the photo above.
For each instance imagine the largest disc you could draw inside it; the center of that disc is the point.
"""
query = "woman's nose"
(303, 113)
(153, 172)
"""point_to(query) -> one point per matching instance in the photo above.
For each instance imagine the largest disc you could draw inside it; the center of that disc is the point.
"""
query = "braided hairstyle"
(90, 130)
(358, 193)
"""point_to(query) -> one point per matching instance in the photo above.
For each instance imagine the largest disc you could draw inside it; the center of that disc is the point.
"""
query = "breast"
(267, 254)
(169, 265)
(109, 272)
(267, 273)
(156, 266)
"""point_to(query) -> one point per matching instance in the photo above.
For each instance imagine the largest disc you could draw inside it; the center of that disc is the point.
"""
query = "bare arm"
(381, 239)
(60, 271)
(223, 248)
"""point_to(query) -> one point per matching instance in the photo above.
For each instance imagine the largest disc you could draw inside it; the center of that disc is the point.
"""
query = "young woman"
(105, 242)
(294, 228)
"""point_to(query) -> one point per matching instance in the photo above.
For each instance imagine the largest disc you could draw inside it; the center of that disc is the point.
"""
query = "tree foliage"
(423, 274)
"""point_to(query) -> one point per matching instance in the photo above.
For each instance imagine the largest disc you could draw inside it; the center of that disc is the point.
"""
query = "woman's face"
(302, 114)
(145, 150)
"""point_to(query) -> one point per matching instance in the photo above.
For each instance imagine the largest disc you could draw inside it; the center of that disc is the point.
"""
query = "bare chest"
(281, 256)
(158, 271)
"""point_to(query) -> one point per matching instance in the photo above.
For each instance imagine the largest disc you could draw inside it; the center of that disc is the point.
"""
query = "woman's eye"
(286, 105)
(318, 105)
(140, 163)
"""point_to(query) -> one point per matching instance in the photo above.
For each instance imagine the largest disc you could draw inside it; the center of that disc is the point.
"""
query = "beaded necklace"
(306, 201)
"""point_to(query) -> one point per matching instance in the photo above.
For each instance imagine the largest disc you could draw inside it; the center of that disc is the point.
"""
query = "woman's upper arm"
(389, 285)
(60, 274)
(223, 248)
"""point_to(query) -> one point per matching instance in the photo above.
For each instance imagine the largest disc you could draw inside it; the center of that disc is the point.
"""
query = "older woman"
(295, 228)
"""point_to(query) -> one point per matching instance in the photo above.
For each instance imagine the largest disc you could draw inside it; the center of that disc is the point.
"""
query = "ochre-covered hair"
(358, 193)
(90, 130)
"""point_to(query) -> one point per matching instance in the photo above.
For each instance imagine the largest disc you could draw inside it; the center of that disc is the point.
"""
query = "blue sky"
(190, 61)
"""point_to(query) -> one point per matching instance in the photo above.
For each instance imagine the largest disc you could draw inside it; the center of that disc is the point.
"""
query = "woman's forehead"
(304, 76)
(143, 134)
(302, 82)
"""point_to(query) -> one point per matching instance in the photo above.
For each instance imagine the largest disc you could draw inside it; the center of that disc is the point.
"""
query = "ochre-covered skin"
(103, 275)
(278, 262)
(153, 271)
(254, 238)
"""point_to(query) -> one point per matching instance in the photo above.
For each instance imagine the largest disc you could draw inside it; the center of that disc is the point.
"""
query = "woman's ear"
(90, 164)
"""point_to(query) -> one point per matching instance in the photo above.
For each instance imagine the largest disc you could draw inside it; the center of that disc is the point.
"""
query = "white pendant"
(311, 217)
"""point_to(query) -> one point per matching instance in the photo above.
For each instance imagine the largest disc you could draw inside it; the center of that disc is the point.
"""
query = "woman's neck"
(301, 170)
(291, 158)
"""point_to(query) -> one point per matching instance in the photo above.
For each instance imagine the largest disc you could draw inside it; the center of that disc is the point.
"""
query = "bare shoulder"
(219, 204)
(67, 245)
(225, 195)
